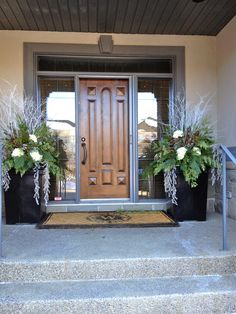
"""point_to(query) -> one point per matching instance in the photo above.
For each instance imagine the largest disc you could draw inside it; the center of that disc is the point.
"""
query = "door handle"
(83, 144)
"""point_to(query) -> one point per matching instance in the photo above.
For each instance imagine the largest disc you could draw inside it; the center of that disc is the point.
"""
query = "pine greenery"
(186, 144)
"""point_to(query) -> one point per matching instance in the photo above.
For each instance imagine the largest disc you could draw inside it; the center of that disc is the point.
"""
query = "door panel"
(104, 143)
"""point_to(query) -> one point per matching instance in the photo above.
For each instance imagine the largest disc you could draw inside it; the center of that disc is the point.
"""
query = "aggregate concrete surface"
(25, 242)
(121, 271)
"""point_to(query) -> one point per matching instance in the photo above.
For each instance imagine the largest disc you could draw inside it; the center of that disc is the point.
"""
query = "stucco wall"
(200, 56)
(226, 99)
(226, 83)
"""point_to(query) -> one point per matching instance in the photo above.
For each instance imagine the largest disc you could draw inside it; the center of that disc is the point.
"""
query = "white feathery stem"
(46, 187)
(6, 179)
(36, 184)
(12, 106)
(170, 181)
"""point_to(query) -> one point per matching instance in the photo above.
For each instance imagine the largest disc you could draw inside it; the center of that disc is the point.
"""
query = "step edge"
(4, 261)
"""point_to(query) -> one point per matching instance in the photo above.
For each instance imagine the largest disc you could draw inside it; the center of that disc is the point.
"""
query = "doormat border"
(172, 222)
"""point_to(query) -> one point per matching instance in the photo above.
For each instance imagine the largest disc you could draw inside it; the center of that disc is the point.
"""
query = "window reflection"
(58, 99)
(153, 100)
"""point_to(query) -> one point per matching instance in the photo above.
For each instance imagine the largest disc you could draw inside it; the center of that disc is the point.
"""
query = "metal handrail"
(226, 152)
(0, 200)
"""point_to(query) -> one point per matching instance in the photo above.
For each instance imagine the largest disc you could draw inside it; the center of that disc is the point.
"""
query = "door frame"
(133, 129)
(132, 140)
(31, 52)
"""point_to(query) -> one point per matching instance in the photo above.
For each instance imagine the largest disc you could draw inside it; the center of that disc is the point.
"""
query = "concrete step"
(125, 268)
(189, 294)
(160, 204)
(143, 270)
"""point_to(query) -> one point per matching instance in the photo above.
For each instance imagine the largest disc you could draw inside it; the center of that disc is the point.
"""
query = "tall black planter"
(192, 202)
(20, 205)
(159, 189)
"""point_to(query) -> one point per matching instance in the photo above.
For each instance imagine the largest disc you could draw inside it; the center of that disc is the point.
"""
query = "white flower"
(17, 152)
(197, 150)
(33, 138)
(181, 153)
(178, 133)
(36, 156)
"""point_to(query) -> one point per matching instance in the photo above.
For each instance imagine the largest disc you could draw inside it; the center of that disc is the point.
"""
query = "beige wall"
(226, 84)
(200, 56)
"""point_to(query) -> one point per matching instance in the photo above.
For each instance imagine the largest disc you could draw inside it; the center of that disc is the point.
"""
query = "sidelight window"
(153, 110)
(57, 96)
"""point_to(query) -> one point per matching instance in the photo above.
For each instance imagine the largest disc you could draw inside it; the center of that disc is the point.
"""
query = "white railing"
(226, 154)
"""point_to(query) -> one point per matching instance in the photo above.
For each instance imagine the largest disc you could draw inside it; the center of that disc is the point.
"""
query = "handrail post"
(0, 200)
(224, 214)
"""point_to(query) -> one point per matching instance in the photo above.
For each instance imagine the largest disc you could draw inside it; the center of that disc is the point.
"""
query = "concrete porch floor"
(26, 243)
(120, 270)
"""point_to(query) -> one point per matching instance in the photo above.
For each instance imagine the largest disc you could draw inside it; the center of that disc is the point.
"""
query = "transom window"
(78, 64)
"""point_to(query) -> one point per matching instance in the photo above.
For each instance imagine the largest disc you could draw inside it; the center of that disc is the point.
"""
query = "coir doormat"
(107, 219)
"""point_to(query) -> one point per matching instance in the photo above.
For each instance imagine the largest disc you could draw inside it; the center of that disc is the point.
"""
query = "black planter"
(20, 205)
(159, 189)
(192, 202)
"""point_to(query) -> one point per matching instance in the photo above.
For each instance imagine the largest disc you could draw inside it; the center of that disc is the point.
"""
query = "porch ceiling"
(184, 17)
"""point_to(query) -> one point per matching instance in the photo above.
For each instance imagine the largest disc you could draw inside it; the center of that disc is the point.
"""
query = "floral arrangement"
(28, 143)
(186, 144)
(23, 150)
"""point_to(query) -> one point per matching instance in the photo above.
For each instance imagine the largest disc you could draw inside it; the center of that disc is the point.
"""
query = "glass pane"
(58, 101)
(153, 101)
(104, 65)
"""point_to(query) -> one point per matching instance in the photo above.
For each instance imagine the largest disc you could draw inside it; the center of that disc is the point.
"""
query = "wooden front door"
(104, 147)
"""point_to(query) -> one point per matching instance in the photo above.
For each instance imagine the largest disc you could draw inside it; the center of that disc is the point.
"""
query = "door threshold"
(160, 204)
